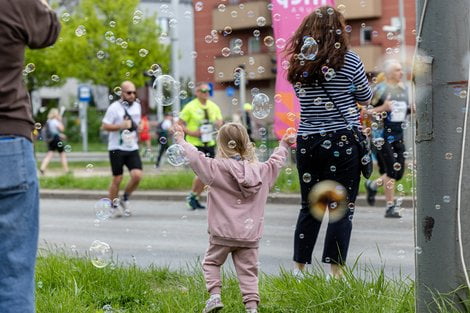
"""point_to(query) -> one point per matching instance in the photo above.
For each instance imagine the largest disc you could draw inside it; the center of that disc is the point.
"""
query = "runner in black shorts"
(119, 158)
(121, 121)
(390, 109)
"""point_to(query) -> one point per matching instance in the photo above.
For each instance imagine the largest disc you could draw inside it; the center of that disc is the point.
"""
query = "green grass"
(288, 180)
(71, 284)
(41, 146)
(181, 180)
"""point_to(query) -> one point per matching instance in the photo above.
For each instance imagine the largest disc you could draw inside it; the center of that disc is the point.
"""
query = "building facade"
(230, 34)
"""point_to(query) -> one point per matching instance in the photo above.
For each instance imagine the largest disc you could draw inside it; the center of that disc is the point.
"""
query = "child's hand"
(289, 137)
(177, 131)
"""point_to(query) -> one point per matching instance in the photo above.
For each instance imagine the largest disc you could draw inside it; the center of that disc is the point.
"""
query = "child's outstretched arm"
(279, 157)
(202, 166)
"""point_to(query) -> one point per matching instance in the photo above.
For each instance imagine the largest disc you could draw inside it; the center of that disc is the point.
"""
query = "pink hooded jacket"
(237, 195)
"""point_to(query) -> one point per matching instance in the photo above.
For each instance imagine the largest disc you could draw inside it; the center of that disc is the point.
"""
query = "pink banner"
(287, 16)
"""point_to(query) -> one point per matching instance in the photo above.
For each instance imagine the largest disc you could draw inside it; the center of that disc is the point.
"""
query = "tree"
(102, 42)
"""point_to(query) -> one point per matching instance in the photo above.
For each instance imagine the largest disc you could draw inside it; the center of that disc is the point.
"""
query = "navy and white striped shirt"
(317, 112)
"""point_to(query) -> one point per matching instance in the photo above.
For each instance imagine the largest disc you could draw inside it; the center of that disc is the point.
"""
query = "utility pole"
(174, 50)
(442, 220)
(242, 94)
(401, 12)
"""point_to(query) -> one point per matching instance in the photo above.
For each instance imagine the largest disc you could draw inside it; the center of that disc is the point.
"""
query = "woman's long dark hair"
(327, 26)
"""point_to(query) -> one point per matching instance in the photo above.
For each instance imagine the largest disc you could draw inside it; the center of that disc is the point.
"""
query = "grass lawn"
(71, 284)
(288, 180)
(41, 146)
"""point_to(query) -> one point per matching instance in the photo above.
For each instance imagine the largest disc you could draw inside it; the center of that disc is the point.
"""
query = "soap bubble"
(261, 106)
(100, 254)
(249, 223)
(309, 49)
(143, 52)
(199, 6)
(268, 41)
(103, 209)
(155, 70)
(261, 21)
(167, 90)
(328, 195)
(306, 177)
(80, 31)
(176, 155)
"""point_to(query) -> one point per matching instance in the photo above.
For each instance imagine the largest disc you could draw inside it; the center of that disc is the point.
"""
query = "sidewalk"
(171, 195)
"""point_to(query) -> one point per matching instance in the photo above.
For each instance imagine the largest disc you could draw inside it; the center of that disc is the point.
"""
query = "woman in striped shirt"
(329, 81)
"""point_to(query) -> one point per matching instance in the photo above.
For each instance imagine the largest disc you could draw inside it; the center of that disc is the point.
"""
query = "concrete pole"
(174, 51)
(83, 106)
(401, 12)
(441, 69)
(242, 94)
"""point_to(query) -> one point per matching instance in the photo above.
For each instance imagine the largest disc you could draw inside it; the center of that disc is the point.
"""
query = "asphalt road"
(165, 233)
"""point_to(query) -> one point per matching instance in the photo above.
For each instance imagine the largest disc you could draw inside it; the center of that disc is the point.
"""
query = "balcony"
(367, 9)
(244, 18)
(371, 56)
(252, 64)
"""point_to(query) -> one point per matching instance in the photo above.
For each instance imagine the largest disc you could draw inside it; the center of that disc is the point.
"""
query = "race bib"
(398, 113)
(207, 131)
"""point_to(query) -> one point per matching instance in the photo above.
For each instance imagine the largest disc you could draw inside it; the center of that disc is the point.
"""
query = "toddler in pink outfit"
(238, 189)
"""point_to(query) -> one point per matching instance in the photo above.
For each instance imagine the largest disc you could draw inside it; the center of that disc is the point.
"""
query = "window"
(254, 45)
(366, 35)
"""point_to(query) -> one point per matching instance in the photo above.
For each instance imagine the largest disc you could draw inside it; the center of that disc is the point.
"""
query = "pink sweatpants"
(245, 261)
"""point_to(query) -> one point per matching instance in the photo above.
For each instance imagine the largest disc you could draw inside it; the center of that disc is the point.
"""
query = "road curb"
(171, 195)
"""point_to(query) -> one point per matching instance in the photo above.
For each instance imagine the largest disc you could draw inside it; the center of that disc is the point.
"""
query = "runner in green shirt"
(200, 118)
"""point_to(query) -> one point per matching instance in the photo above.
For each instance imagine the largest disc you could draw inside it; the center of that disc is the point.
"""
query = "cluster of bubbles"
(328, 72)
(138, 17)
(109, 36)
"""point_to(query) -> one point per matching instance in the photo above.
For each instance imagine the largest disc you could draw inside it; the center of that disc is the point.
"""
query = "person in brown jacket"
(23, 23)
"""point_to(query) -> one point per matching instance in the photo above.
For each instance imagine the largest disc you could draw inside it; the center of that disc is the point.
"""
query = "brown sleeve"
(41, 27)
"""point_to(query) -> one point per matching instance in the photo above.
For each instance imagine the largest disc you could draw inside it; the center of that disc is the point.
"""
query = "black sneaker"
(390, 212)
(370, 193)
(199, 205)
(191, 201)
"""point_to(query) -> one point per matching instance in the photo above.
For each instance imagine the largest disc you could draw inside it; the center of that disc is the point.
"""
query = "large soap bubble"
(328, 195)
(100, 254)
(103, 209)
(261, 106)
(176, 155)
(167, 90)
(309, 49)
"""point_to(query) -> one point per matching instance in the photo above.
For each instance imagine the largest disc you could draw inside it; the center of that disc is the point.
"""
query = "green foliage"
(72, 284)
(72, 127)
(76, 56)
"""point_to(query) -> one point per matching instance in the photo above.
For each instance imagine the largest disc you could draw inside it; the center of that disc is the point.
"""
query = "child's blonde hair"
(233, 140)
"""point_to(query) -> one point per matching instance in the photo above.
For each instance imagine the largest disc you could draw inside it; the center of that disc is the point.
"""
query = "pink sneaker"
(213, 304)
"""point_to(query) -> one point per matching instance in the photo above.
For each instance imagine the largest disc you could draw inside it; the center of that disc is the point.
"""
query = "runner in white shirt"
(121, 121)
